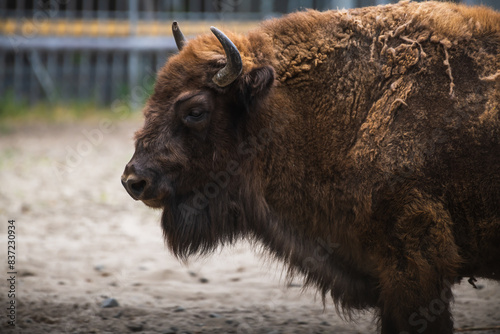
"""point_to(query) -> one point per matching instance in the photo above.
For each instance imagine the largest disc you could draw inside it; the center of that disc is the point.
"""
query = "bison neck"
(312, 223)
(314, 114)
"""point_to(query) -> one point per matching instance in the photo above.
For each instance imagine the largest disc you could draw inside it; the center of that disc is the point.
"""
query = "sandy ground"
(80, 239)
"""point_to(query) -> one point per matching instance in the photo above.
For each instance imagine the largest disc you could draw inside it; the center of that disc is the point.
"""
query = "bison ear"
(257, 83)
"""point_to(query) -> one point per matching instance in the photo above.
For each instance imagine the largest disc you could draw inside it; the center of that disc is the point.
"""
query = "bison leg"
(435, 317)
(419, 264)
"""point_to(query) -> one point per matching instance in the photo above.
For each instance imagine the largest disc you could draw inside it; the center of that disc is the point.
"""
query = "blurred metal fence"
(109, 49)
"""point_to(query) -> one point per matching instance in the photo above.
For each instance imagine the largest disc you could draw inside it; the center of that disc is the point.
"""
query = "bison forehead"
(198, 61)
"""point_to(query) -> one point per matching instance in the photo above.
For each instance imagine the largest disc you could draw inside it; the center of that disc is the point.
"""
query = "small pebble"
(110, 302)
(26, 273)
(179, 309)
(215, 315)
(192, 274)
(25, 208)
(302, 322)
(171, 330)
(135, 327)
(118, 315)
(99, 267)
(203, 280)
(325, 323)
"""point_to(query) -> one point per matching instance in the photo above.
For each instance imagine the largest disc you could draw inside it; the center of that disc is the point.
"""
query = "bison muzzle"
(360, 147)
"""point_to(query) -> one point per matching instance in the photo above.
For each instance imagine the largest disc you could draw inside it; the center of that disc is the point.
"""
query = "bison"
(360, 147)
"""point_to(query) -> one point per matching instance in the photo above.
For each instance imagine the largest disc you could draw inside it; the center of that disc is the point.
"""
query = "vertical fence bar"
(34, 81)
(83, 74)
(162, 10)
(9, 73)
(160, 59)
(3, 74)
(68, 70)
(194, 9)
(321, 4)
(292, 5)
(178, 7)
(3, 58)
(266, 8)
(53, 72)
(70, 10)
(103, 76)
(299, 5)
(18, 74)
(99, 13)
(342, 4)
(208, 9)
(39, 79)
(68, 75)
(117, 75)
(364, 3)
(3, 10)
(20, 5)
(18, 55)
(133, 58)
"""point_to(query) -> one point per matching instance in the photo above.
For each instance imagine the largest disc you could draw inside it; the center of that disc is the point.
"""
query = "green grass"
(14, 112)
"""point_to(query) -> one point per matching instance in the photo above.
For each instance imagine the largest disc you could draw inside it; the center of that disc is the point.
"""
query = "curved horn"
(180, 40)
(234, 66)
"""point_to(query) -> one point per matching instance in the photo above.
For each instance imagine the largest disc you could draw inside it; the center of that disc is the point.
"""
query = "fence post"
(3, 74)
(266, 8)
(342, 4)
(42, 75)
(133, 59)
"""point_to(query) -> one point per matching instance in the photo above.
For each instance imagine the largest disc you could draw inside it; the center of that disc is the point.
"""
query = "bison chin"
(154, 203)
(194, 227)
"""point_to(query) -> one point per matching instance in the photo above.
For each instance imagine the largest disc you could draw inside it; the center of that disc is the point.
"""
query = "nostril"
(138, 186)
(135, 186)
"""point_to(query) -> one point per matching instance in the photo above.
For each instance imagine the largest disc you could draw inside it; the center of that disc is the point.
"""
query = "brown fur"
(360, 147)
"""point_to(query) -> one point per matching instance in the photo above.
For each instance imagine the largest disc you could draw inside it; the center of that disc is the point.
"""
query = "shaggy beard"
(228, 218)
(190, 228)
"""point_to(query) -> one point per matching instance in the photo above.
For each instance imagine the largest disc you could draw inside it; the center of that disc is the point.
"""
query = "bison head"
(200, 141)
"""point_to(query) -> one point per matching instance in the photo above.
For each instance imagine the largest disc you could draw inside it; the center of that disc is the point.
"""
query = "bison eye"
(196, 113)
(195, 116)
(194, 110)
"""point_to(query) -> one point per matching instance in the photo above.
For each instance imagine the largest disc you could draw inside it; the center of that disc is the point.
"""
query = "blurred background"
(100, 52)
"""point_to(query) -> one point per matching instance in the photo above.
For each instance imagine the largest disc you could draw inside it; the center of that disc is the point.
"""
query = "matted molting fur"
(377, 176)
